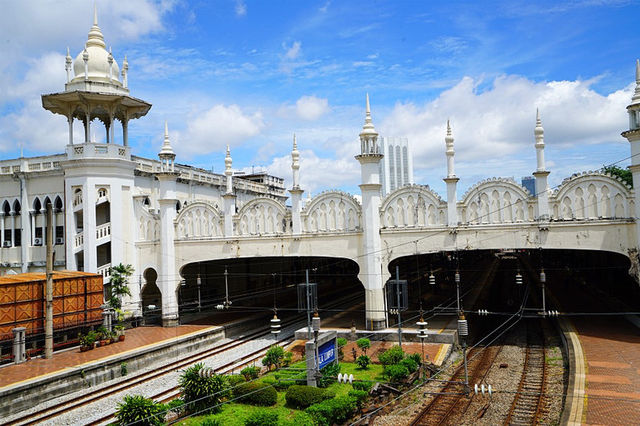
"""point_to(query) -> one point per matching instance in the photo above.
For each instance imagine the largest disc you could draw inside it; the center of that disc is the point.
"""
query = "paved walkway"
(611, 348)
(135, 339)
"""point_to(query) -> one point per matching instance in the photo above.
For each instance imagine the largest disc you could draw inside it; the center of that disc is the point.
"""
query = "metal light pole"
(48, 322)
(316, 331)
(308, 306)
(463, 332)
(422, 334)
(226, 288)
(543, 280)
(199, 283)
(398, 305)
(456, 278)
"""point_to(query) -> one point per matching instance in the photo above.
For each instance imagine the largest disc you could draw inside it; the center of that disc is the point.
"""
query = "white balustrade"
(105, 271)
(78, 240)
(103, 231)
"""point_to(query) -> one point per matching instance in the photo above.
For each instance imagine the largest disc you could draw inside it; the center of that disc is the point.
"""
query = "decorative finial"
(448, 128)
(95, 14)
(538, 131)
(449, 139)
(636, 94)
(166, 130)
(368, 106)
(228, 151)
(295, 143)
(68, 54)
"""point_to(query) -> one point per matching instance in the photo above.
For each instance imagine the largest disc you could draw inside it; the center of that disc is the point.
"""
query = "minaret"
(228, 197)
(633, 136)
(167, 199)
(371, 262)
(296, 192)
(451, 180)
(67, 65)
(542, 189)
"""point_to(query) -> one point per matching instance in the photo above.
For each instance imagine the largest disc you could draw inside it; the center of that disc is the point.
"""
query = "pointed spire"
(227, 161)
(448, 140)
(166, 150)
(636, 94)
(166, 131)
(295, 143)
(368, 130)
(539, 130)
(95, 14)
(95, 33)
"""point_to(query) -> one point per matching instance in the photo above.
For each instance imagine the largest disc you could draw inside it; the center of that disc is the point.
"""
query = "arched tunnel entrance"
(255, 285)
(569, 275)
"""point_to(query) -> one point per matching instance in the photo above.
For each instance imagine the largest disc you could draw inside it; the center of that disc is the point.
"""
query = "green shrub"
(140, 411)
(359, 395)
(262, 418)
(329, 375)
(391, 356)
(363, 344)
(396, 372)
(363, 362)
(364, 386)
(286, 360)
(410, 364)
(300, 418)
(250, 373)
(342, 342)
(336, 410)
(282, 385)
(235, 379)
(274, 356)
(302, 396)
(256, 393)
(202, 394)
(417, 358)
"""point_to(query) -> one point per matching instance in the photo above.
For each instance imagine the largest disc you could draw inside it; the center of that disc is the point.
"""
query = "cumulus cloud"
(499, 120)
(215, 128)
(294, 51)
(311, 107)
(318, 173)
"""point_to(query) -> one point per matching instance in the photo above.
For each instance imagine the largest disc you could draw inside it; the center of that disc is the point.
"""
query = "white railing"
(105, 271)
(100, 150)
(103, 231)
(77, 200)
(78, 240)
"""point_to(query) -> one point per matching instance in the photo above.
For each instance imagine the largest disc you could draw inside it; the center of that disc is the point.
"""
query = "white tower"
(542, 189)
(228, 197)
(371, 273)
(633, 136)
(167, 200)
(451, 180)
(296, 192)
(98, 176)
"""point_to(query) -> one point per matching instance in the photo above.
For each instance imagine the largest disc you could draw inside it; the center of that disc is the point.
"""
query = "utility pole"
(48, 320)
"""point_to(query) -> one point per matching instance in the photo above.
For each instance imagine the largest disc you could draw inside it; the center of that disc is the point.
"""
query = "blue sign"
(327, 353)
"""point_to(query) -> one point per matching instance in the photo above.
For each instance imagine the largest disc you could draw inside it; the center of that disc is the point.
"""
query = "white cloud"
(311, 107)
(294, 51)
(499, 121)
(318, 173)
(212, 130)
(241, 8)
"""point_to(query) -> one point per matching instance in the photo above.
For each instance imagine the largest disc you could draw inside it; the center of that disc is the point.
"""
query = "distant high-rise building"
(396, 168)
(529, 182)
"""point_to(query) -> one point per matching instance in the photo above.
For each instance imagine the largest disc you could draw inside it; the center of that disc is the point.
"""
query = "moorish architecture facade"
(113, 207)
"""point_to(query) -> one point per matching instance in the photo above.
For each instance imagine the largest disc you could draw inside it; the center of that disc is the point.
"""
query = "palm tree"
(119, 284)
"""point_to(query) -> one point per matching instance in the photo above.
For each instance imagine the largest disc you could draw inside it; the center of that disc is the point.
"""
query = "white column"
(167, 276)
(541, 174)
(229, 201)
(32, 215)
(54, 223)
(1, 229)
(70, 121)
(25, 250)
(89, 226)
(13, 229)
(296, 209)
(451, 180)
(69, 227)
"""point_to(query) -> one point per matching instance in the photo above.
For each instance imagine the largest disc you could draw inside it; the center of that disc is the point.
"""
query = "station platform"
(136, 338)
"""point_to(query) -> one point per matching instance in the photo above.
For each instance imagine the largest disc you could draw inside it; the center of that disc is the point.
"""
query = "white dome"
(98, 62)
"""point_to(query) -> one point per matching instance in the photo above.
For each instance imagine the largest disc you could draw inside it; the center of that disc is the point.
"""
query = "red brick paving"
(612, 352)
(135, 338)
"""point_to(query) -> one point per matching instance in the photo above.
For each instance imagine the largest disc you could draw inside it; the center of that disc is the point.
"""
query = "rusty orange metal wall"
(77, 298)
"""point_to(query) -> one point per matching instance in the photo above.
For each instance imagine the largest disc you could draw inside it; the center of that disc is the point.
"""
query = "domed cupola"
(94, 67)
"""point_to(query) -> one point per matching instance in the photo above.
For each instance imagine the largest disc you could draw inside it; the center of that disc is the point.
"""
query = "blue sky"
(251, 73)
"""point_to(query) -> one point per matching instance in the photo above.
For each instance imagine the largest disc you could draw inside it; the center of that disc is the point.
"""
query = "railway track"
(46, 415)
(453, 398)
(528, 402)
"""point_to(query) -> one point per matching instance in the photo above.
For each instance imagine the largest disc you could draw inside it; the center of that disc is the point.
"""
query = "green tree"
(119, 284)
(274, 356)
(624, 174)
(363, 344)
(140, 411)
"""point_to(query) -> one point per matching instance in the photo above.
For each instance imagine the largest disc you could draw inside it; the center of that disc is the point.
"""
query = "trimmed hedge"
(359, 395)
(136, 409)
(336, 410)
(235, 379)
(302, 396)
(256, 393)
(250, 373)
